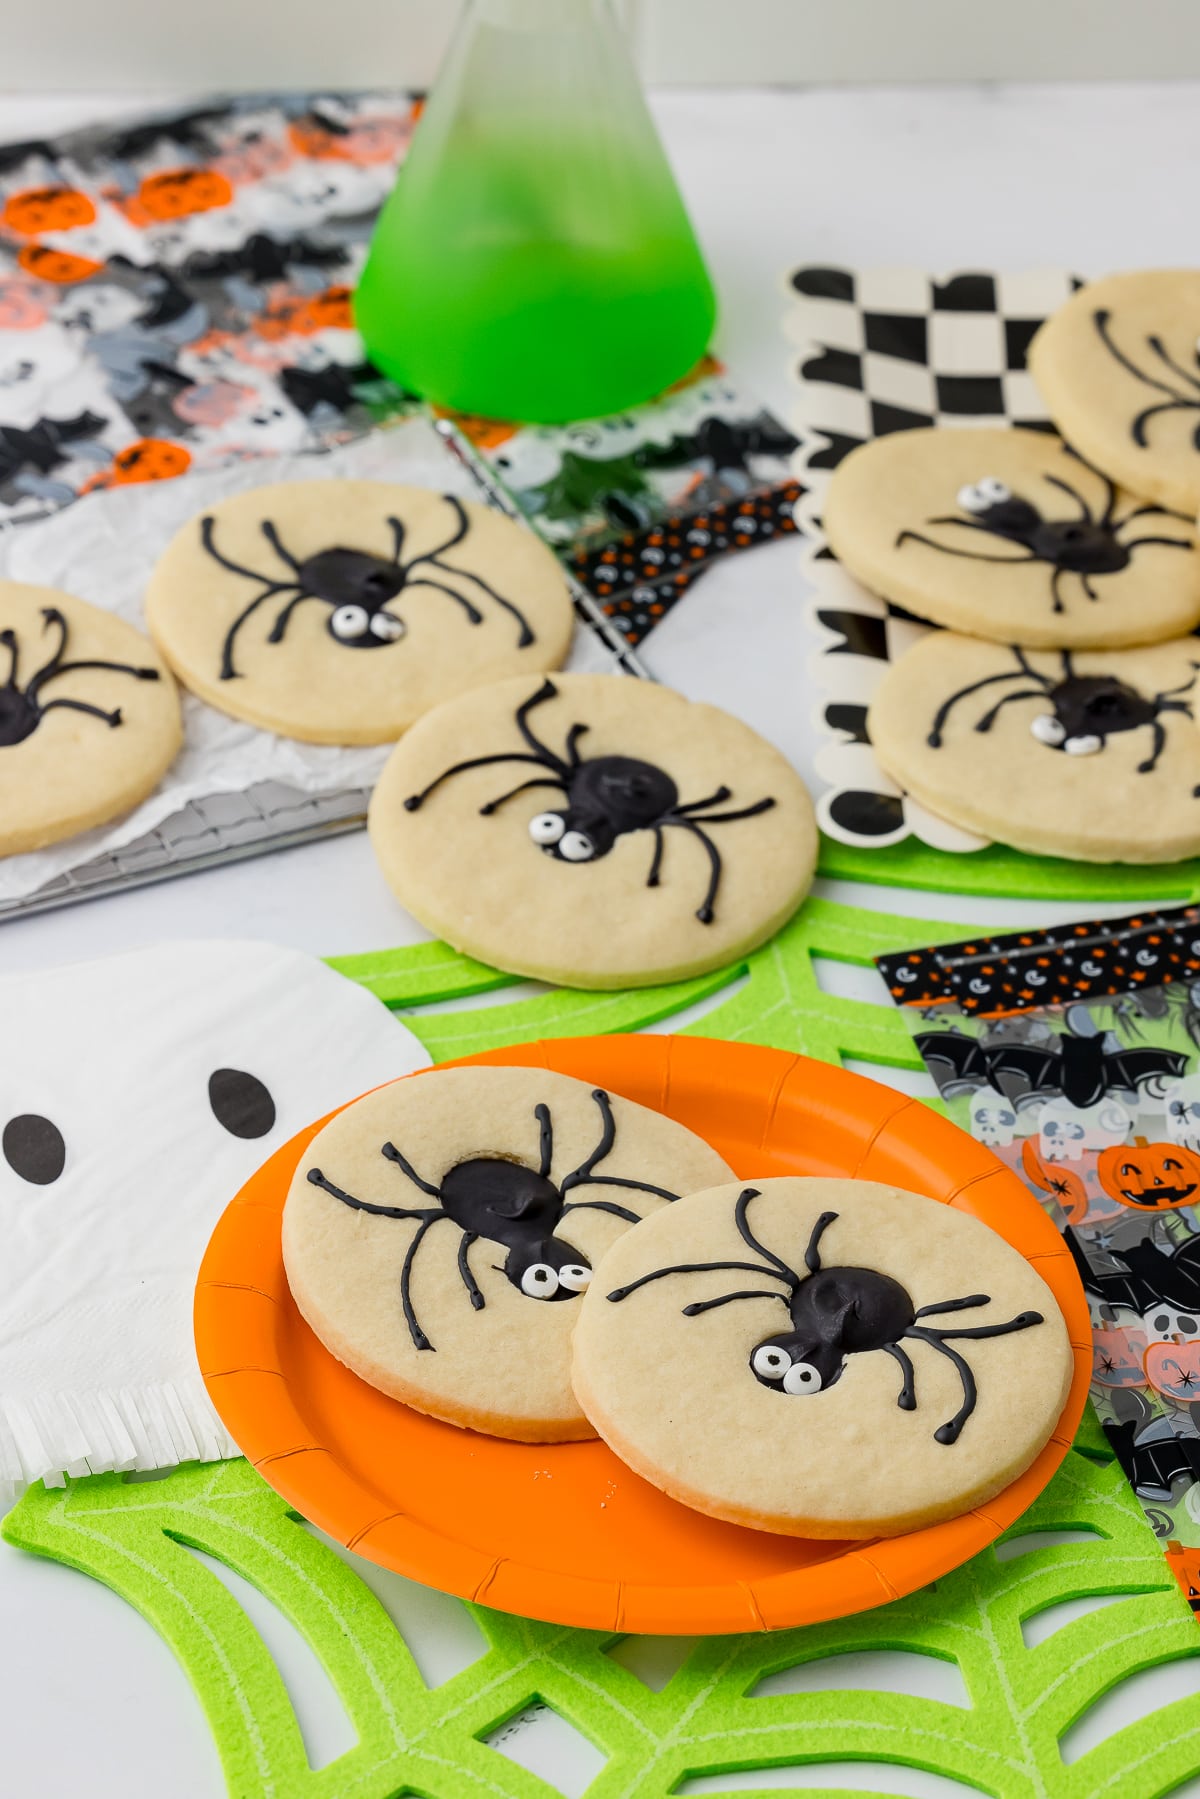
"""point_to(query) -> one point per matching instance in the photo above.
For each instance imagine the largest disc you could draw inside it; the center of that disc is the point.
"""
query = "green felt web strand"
(782, 1004)
(429, 1742)
(998, 870)
(706, 1720)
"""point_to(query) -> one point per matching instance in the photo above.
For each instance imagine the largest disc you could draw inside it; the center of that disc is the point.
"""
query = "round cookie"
(89, 717)
(263, 604)
(1119, 369)
(822, 1358)
(1005, 534)
(1094, 756)
(594, 830)
(430, 1223)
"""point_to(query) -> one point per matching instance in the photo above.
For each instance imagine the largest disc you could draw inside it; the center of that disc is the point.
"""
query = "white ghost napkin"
(137, 1095)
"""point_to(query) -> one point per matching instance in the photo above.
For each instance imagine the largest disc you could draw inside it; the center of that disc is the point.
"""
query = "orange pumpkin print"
(149, 459)
(35, 210)
(366, 141)
(1118, 1356)
(294, 316)
(178, 193)
(1056, 1178)
(1173, 1369)
(1151, 1177)
(58, 266)
(1184, 1563)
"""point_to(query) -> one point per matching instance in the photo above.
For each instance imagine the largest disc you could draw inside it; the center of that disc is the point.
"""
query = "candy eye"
(1083, 746)
(384, 626)
(1048, 729)
(575, 847)
(983, 495)
(802, 1377)
(349, 621)
(547, 827)
(539, 1281)
(574, 1277)
(770, 1362)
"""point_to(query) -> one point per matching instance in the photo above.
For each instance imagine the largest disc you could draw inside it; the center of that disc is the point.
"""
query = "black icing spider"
(605, 798)
(356, 586)
(839, 1312)
(22, 709)
(1083, 546)
(1187, 400)
(1087, 709)
(510, 1204)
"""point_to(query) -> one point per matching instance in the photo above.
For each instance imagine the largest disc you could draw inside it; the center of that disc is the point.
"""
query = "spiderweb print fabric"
(1073, 1054)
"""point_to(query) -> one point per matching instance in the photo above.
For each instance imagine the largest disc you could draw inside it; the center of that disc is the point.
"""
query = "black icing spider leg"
(812, 1255)
(1056, 596)
(658, 1274)
(525, 787)
(1072, 493)
(953, 1305)
(110, 718)
(939, 1340)
(405, 1166)
(934, 739)
(656, 862)
(474, 615)
(907, 1399)
(1026, 693)
(710, 1305)
(420, 1340)
(694, 822)
(434, 557)
(279, 628)
(9, 641)
(1174, 543)
(416, 800)
(464, 1269)
(272, 537)
(970, 555)
(1159, 743)
(364, 1205)
(545, 1140)
(583, 1176)
(1100, 319)
(543, 752)
(268, 590)
(56, 666)
(1187, 376)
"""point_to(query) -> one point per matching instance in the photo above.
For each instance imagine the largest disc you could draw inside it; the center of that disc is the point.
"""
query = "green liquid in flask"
(535, 261)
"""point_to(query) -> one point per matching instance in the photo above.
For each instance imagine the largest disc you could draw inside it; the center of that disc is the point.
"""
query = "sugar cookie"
(932, 1361)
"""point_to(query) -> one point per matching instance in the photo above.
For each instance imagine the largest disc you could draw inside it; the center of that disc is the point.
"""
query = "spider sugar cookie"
(932, 1362)
(1008, 535)
(594, 830)
(89, 717)
(1091, 755)
(263, 604)
(1119, 368)
(438, 1235)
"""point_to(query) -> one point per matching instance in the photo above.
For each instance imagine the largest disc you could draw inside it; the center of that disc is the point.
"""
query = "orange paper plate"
(565, 1532)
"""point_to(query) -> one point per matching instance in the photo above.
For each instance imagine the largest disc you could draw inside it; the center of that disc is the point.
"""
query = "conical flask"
(535, 261)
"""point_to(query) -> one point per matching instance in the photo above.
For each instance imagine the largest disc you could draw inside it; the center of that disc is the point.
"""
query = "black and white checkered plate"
(876, 351)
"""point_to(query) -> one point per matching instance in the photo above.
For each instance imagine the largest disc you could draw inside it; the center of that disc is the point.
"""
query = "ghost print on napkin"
(137, 1095)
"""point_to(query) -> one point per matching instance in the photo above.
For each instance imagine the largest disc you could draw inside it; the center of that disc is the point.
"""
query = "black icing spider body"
(22, 709)
(605, 798)
(1086, 709)
(509, 1204)
(1165, 376)
(839, 1312)
(1083, 546)
(357, 586)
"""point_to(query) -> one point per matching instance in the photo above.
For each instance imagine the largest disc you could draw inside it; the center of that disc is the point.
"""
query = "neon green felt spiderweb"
(727, 1707)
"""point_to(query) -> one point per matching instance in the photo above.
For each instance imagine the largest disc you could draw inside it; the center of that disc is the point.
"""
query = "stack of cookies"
(1055, 711)
(519, 1253)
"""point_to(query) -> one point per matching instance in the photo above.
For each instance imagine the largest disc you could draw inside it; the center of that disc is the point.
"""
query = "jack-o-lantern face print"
(35, 210)
(59, 266)
(1154, 1177)
(1173, 1369)
(178, 193)
(1118, 1355)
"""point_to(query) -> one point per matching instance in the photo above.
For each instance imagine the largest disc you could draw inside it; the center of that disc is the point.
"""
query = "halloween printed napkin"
(115, 1169)
(1074, 1054)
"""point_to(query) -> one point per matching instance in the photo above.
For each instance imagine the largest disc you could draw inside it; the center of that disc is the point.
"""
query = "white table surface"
(1087, 177)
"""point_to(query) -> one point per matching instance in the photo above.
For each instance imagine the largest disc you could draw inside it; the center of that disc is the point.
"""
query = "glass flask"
(534, 260)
